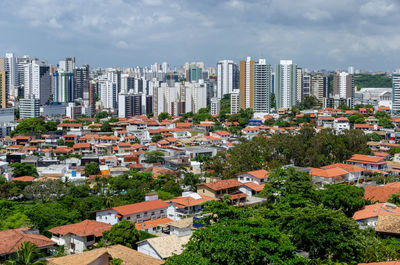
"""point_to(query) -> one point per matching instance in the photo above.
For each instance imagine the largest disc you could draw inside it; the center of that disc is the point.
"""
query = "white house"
(137, 212)
(188, 204)
(368, 216)
(256, 176)
(78, 237)
(162, 247)
(341, 124)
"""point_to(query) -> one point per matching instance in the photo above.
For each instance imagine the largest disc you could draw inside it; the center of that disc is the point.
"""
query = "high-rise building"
(317, 86)
(327, 87)
(129, 105)
(215, 106)
(285, 84)
(63, 87)
(351, 70)
(3, 89)
(67, 65)
(11, 68)
(164, 67)
(81, 82)
(396, 93)
(195, 96)
(108, 94)
(306, 85)
(29, 108)
(37, 82)
(195, 73)
(246, 83)
(227, 77)
(262, 86)
(343, 87)
(235, 101)
(299, 85)
(92, 98)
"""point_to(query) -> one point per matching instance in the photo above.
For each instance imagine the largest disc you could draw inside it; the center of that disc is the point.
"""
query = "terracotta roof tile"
(84, 228)
(375, 210)
(223, 184)
(152, 223)
(140, 207)
(381, 193)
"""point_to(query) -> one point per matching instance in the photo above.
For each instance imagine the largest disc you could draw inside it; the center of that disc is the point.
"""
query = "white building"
(341, 124)
(262, 86)
(227, 77)
(137, 212)
(11, 68)
(37, 81)
(285, 84)
(29, 108)
(235, 101)
(76, 238)
(368, 216)
(215, 106)
(195, 96)
(396, 93)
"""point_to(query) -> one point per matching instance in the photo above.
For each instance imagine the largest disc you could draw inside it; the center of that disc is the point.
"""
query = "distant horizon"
(125, 33)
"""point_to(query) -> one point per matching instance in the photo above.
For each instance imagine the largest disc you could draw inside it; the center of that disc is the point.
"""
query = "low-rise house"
(326, 122)
(82, 148)
(152, 226)
(103, 256)
(368, 216)
(221, 188)
(163, 247)
(373, 163)
(76, 238)
(190, 203)
(183, 227)
(251, 188)
(255, 176)
(137, 212)
(381, 193)
(12, 239)
(321, 176)
(341, 124)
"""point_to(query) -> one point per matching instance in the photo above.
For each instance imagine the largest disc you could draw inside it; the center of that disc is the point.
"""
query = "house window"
(138, 216)
(162, 211)
(73, 246)
(145, 213)
(153, 213)
(90, 238)
(128, 218)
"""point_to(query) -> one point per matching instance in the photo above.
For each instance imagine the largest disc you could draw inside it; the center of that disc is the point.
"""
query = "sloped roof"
(12, 239)
(84, 228)
(190, 201)
(223, 184)
(166, 246)
(128, 256)
(140, 207)
(381, 193)
(388, 224)
(254, 186)
(259, 174)
(375, 210)
(152, 223)
(346, 167)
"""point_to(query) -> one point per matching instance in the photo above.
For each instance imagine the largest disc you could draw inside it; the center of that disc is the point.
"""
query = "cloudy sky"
(315, 34)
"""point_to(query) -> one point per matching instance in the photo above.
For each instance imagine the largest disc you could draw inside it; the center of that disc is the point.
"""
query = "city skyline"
(334, 36)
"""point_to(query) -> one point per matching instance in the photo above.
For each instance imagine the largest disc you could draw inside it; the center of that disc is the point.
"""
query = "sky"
(315, 34)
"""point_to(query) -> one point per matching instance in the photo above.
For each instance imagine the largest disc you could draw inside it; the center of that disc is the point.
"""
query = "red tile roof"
(223, 184)
(365, 159)
(140, 207)
(346, 167)
(375, 210)
(381, 193)
(84, 228)
(81, 145)
(12, 239)
(67, 125)
(259, 174)
(190, 201)
(152, 223)
(254, 186)
(24, 179)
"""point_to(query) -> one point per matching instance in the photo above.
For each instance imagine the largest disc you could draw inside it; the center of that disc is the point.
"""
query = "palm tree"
(27, 255)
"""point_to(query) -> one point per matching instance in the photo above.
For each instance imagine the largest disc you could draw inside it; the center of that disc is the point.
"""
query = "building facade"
(285, 84)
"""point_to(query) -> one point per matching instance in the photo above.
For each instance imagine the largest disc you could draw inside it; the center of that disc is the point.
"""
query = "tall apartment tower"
(235, 101)
(343, 87)
(81, 82)
(285, 84)
(299, 85)
(262, 86)
(396, 93)
(246, 83)
(11, 68)
(3, 83)
(317, 86)
(227, 77)
(67, 65)
(37, 82)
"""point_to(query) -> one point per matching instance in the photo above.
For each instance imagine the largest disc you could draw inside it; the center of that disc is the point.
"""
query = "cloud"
(333, 35)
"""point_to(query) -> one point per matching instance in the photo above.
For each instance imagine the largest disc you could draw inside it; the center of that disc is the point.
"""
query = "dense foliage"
(123, 233)
(372, 80)
(34, 125)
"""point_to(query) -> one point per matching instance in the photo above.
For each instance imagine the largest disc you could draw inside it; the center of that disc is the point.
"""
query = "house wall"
(146, 248)
(243, 178)
(367, 223)
(148, 215)
(246, 190)
(204, 190)
(107, 216)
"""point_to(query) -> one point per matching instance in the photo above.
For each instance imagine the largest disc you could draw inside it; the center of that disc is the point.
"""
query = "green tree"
(60, 142)
(162, 116)
(106, 127)
(27, 254)
(102, 115)
(374, 137)
(22, 169)
(342, 197)
(245, 241)
(123, 233)
(156, 138)
(92, 169)
(29, 126)
(190, 179)
(154, 156)
(386, 123)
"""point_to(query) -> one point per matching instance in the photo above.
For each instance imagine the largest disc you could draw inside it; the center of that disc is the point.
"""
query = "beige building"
(246, 83)
(317, 86)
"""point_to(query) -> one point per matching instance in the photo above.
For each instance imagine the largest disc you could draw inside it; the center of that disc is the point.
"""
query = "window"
(145, 213)
(153, 213)
(128, 218)
(138, 216)
(162, 211)
(90, 238)
(73, 246)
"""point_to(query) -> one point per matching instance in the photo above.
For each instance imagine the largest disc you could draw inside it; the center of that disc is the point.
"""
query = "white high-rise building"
(262, 86)
(11, 68)
(67, 65)
(351, 70)
(396, 93)
(235, 101)
(227, 77)
(108, 94)
(164, 67)
(285, 84)
(195, 96)
(37, 82)
(215, 106)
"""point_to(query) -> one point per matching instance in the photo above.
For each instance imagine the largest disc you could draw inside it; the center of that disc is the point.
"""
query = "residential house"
(381, 193)
(373, 163)
(341, 124)
(76, 238)
(368, 216)
(163, 247)
(152, 226)
(12, 239)
(103, 256)
(190, 203)
(221, 188)
(137, 212)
